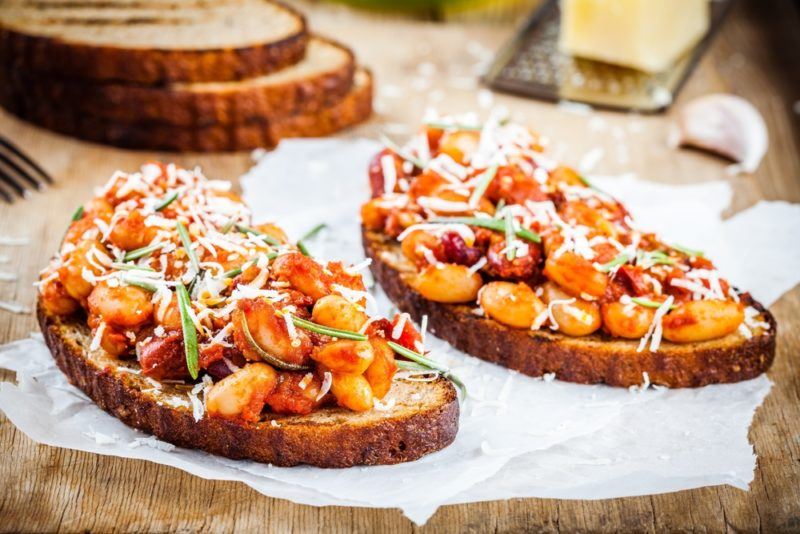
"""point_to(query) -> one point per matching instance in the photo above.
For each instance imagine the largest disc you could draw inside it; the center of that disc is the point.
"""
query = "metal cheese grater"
(532, 65)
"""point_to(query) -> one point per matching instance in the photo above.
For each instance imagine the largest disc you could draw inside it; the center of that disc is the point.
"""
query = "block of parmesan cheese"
(647, 35)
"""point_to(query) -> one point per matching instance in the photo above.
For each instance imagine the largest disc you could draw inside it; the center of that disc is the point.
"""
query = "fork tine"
(11, 182)
(24, 157)
(20, 171)
(5, 195)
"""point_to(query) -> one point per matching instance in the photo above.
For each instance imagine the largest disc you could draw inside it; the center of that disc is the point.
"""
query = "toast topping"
(168, 266)
(486, 217)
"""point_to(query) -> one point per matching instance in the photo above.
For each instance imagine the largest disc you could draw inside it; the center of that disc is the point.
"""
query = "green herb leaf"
(620, 259)
(590, 185)
(490, 224)
(147, 286)
(131, 267)
(428, 364)
(326, 330)
(499, 208)
(268, 239)
(482, 184)
(144, 251)
(228, 225)
(400, 152)
(655, 257)
(77, 214)
(187, 246)
(189, 332)
(266, 356)
(167, 201)
(232, 273)
(688, 251)
(511, 252)
(301, 243)
(650, 303)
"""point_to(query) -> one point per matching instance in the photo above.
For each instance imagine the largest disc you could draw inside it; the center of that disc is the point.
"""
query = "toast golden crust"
(332, 437)
(586, 360)
(150, 66)
(353, 108)
(203, 104)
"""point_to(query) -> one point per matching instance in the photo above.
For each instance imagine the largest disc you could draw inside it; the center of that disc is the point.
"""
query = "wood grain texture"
(757, 55)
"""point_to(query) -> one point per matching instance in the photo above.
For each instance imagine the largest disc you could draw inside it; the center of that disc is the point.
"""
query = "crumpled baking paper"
(519, 436)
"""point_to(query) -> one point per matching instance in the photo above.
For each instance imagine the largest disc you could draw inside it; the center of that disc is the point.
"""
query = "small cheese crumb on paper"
(100, 438)
(152, 442)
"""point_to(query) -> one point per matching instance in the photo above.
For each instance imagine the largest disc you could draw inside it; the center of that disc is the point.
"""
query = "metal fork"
(18, 172)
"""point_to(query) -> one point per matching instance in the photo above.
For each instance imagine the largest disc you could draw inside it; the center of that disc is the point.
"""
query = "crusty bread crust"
(423, 420)
(200, 104)
(354, 107)
(153, 66)
(587, 360)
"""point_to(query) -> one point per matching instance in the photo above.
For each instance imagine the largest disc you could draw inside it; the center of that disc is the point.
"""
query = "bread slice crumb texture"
(592, 359)
(163, 24)
(418, 417)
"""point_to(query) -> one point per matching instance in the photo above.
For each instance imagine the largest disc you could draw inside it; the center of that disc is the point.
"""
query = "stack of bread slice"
(179, 75)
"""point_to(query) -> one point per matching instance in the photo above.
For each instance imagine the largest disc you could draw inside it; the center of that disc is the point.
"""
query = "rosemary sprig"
(618, 260)
(131, 267)
(491, 224)
(144, 251)
(429, 364)
(77, 214)
(688, 251)
(167, 201)
(266, 356)
(301, 243)
(511, 251)
(655, 257)
(268, 239)
(233, 273)
(402, 153)
(482, 184)
(498, 209)
(238, 270)
(186, 240)
(326, 330)
(189, 332)
(647, 303)
(228, 225)
(147, 286)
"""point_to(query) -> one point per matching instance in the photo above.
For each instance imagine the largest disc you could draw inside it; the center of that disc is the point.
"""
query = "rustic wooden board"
(757, 55)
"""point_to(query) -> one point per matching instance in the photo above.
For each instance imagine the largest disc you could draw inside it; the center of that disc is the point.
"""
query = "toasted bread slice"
(354, 107)
(151, 42)
(324, 76)
(588, 360)
(423, 418)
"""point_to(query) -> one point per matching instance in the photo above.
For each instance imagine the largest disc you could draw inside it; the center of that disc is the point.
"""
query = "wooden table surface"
(757, 55)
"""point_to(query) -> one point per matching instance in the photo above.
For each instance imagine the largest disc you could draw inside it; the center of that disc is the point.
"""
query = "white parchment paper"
(519, 436)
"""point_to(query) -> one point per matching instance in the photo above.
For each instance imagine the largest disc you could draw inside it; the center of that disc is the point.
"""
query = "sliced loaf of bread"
(151, 42)
(354, 107)
(422, 417)
(321, 78)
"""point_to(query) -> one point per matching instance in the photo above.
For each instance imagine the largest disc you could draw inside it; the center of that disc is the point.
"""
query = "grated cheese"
(654, 331)
(98, 336)
(327, 380)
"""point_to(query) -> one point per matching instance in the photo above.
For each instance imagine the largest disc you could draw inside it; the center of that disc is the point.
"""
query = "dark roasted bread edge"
(177, 106)
(591, 360)
(388, 441)
(35, 53)
(353, 108)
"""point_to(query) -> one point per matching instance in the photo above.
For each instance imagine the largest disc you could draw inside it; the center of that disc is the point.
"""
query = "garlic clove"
(724, 124)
